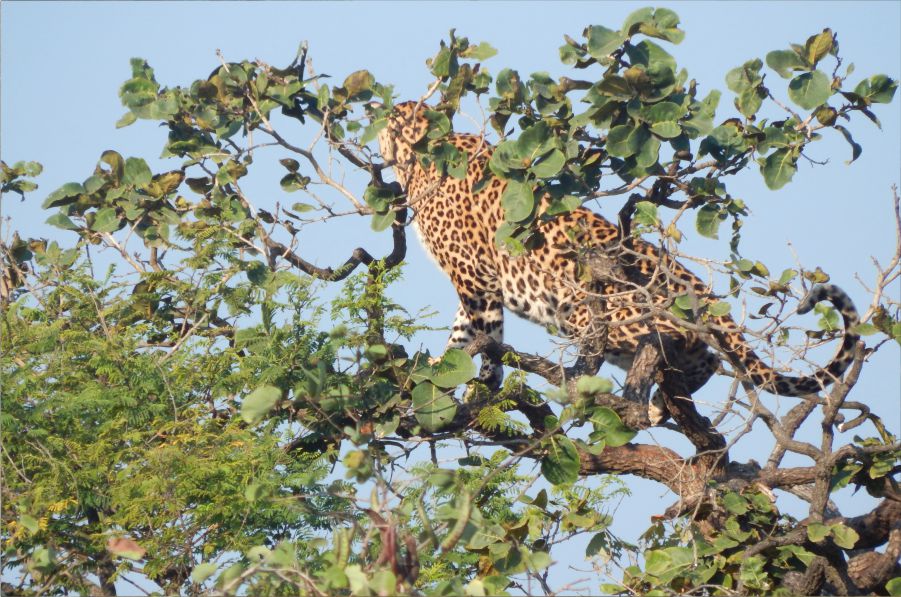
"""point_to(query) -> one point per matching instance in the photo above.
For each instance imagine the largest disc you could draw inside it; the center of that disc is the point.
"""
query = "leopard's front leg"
(480, 312)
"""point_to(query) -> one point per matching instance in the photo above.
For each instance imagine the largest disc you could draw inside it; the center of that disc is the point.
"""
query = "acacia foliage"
(194, 415)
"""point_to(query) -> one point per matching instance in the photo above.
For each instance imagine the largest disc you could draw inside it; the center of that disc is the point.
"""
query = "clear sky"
(61, 64)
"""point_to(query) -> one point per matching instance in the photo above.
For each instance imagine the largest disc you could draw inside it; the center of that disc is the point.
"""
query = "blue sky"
(62, 64)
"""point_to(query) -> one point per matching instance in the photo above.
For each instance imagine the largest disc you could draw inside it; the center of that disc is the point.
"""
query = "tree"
(180, 417)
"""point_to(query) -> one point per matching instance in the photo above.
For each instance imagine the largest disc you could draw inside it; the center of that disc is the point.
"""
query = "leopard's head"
(407, 125)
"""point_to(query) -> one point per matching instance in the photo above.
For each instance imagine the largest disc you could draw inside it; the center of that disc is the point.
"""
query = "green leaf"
(602, 41)
(893, 587)
(66, 194)
(817, 47)
(432, 406)
(549, 164)
(383, 582)
(483, 51)
(809, 90)
(534, 141)
(746, 76)
(649, 53)
(719, 308)
(785, 62)
(816, 531)
(618, 141)
(302, 207)
(259, 402)
(735, 503)
(518, 201)
(203, 571)
(666, 130)
(589, 385)
(845, 537)
(62, 221)
(649, 152)
(749, 101)
(779, 167)
(878, 89)
(358, 82)
(455, 367)
(561, 463)
(127, 119)
(137, 172)
(646, 213)
(865, 329)
(30, 523)
(609, 427)
(708, 220)
(382, 221)
(106, 220)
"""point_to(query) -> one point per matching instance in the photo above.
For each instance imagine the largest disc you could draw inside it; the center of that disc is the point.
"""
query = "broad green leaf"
(609, 427)
(378, 199)
(649, 151)
(648, 53)
(518, 201)
(259, 402)
(646, 213)
(657, 562)
(667, 130)
(778, 168)
(749, 101)
(62, 221)
(482, 51)
(878, 89)
(615, 87)
(561, 463)
(602, 41)
(30, 523)
(735, 503)
(203, 571)
(302, 207)
(708, 220)
(816, 531)
(809, 90)
(817, 47)
(618, 141)
(432, 406)
(719, 308)
(127, 119)
(845, 537)
(534, 141)
(664, 112)
(589, 385)
(67, 193)
(893, 587)
(745, 76)
(382, 221)
(785, 62)
(455, 367)
(137, 172)
(549, 164)
(106, 220)
(358, 82)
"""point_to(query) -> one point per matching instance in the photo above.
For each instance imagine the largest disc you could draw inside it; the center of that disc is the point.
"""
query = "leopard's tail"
(764, 376)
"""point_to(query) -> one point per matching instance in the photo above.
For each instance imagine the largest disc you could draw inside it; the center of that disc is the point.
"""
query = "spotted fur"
(457, 227)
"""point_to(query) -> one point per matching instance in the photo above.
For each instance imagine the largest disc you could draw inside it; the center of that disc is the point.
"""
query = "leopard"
(457, 220)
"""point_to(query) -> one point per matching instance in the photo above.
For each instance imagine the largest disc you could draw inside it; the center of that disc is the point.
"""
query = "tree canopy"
(192, 415)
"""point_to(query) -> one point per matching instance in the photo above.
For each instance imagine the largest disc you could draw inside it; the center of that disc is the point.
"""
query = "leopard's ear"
(409, 122)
